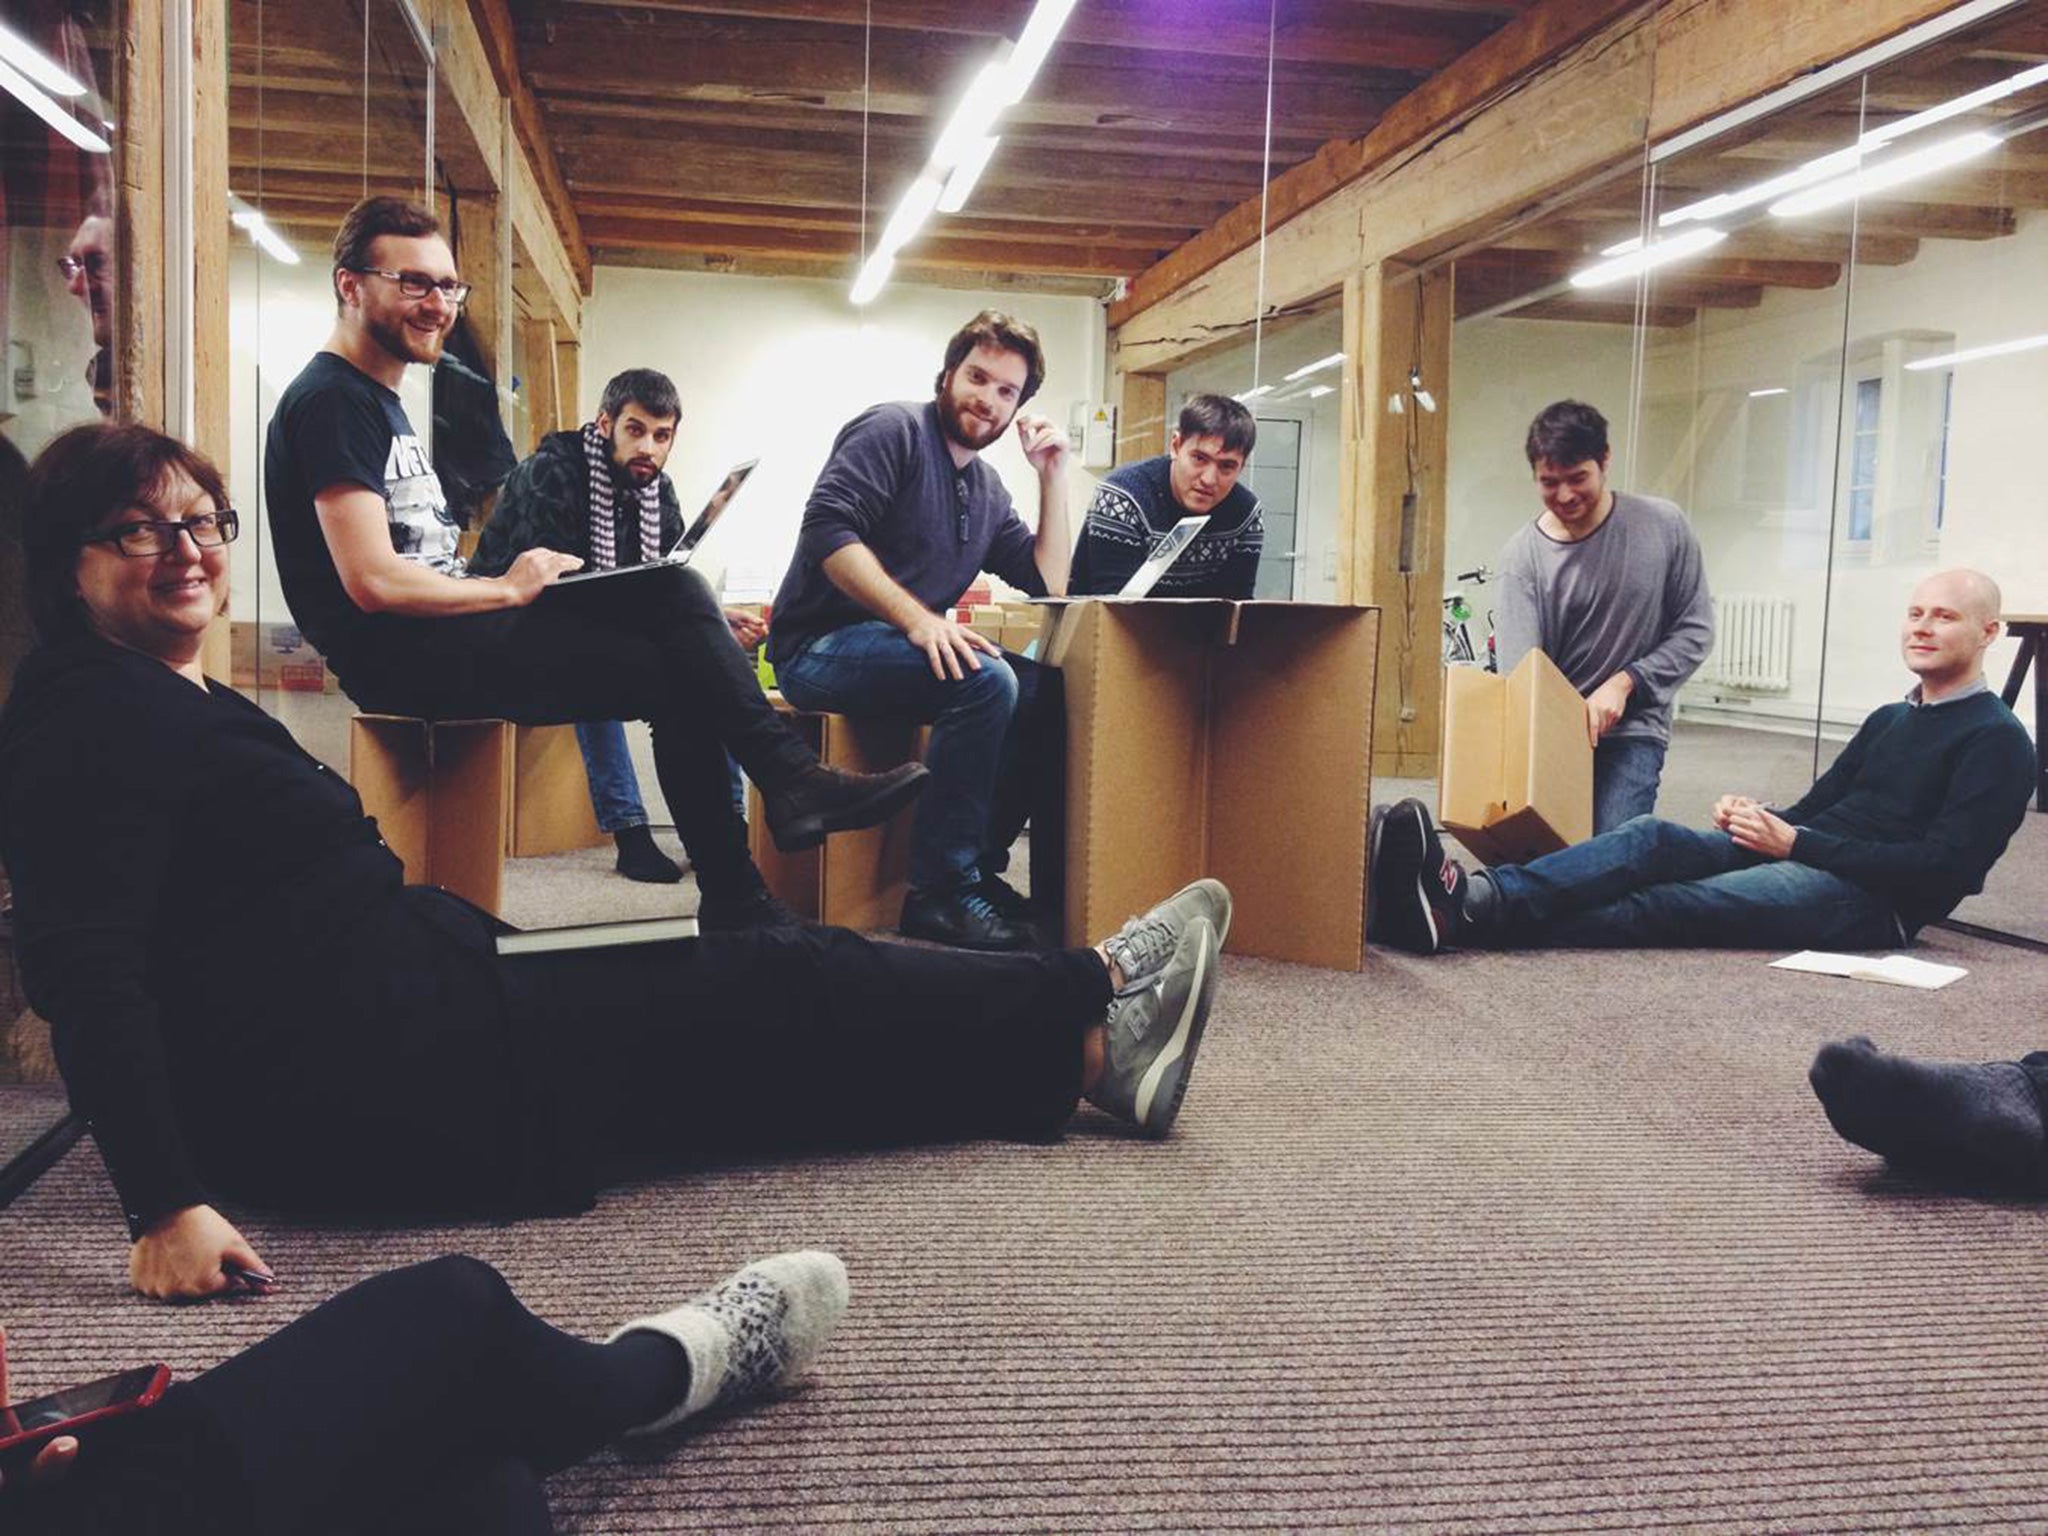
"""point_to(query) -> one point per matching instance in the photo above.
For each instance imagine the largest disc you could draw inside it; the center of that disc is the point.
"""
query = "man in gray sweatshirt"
(1612, 588)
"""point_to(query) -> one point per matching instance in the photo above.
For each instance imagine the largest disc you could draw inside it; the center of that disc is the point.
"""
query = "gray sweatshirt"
(1631, 596)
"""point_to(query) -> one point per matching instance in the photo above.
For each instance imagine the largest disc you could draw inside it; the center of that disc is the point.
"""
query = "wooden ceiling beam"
(1759, 242)
(1476, 78)
(837, 271)
(1662, 316)
(1739, 269)
(779, 216)
(1329, 32)
(920, 74)
(939, 249)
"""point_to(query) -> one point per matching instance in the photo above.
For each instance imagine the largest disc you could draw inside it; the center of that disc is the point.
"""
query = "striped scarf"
(597, 451)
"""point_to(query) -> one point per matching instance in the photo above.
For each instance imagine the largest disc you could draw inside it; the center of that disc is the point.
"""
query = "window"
(1863, 460)
(1948, 397)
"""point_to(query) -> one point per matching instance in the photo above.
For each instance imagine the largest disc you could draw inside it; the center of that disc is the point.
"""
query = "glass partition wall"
(327, 103)
(1833, 355)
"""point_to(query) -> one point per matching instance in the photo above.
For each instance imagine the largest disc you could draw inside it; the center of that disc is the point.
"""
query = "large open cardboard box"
(1219, 738)
(1517, 768)
(551, 811)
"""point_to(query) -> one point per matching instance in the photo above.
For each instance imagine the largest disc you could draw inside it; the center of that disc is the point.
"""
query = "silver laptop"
(1164, 553)
(693, 535)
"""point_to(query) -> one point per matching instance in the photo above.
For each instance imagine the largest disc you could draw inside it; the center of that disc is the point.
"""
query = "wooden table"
(2031, 630)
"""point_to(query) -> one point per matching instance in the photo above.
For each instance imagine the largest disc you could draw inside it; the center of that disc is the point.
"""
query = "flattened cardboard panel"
(1136, 684)
(1560, 759)
(387, 764)
(1290, 779)
(551, 810)
(864, 874)
(471, 807)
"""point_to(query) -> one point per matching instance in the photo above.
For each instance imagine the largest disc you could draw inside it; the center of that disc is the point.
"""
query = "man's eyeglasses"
(93, 262)
(209, 530)
(417, 285)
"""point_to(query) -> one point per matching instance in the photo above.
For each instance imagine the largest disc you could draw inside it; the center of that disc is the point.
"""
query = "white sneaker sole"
(1176, 1046)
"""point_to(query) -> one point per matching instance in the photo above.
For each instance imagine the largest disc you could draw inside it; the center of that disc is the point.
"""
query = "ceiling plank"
(936, 250)
(493, 22)
(1464, 87)
(1306, 31)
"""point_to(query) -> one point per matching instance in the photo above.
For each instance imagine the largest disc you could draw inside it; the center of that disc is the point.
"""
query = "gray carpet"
(1492, 1242)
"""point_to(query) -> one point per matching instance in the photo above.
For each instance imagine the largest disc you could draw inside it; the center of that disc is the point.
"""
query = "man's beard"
(964, 427)
(641, 470)
(403, 342)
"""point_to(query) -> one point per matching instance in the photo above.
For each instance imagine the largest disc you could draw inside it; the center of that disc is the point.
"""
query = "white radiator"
(1752, 643)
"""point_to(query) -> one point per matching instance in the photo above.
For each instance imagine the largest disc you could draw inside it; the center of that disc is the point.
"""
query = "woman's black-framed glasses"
(209, 530)
(417, 285)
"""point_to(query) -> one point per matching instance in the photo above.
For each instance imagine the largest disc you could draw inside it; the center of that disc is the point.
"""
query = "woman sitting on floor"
(244, 995)
(426, 1400)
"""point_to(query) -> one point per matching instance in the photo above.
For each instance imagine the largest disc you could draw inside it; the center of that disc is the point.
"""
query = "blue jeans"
(1625, 774)
(988, 775)
(1651, 882)
(608, 764)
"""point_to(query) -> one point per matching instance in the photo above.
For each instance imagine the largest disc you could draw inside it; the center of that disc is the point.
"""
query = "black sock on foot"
(640, 860)
(1977, 1124)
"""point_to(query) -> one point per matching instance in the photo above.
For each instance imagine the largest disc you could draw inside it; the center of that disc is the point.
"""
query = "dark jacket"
(545, 504)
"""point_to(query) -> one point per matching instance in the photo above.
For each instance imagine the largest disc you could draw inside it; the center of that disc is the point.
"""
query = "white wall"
(774, 367)
(1502, 373)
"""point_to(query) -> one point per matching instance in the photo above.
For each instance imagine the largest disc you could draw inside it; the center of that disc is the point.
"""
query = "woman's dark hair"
(1567, 433)
(993, 328)
(77, 485)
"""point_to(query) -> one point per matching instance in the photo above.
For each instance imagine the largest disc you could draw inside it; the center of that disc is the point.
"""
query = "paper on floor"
(1898, 970)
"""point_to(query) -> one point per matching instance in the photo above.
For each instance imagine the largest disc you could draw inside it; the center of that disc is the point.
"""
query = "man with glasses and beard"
(902, 519)
(367, 551)
(600, 493)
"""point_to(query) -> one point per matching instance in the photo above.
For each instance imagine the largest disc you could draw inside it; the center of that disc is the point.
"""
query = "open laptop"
(1164, 553)
(693, 535)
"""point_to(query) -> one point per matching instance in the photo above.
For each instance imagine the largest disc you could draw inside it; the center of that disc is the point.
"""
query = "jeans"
(1651, 882)
(608, 764)
(1625, 774)
(997, 744)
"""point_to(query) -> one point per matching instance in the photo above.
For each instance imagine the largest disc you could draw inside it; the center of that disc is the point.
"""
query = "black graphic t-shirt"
(335, 425)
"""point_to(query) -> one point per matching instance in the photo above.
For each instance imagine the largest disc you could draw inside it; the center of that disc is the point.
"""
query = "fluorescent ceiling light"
(258, 229)
(1253, 394)
(1956, 108)
(960, 185)
(1890, 172)
(973, 118)
(1759, 394)
(1841, 161)
(1645, 258)
(1971, 354)
(31, 95)
(910, 214)
(1033, 44)
(1321, 390)
(37, 65)
(873, 278)
(1315, 367)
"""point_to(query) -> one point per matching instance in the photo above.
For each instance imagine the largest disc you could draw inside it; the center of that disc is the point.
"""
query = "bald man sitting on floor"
(1907, 822)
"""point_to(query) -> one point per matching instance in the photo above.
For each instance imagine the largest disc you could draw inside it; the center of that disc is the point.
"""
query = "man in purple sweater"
(902, 519)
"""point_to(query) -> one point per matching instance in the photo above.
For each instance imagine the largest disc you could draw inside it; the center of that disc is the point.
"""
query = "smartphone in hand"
(27, 1427)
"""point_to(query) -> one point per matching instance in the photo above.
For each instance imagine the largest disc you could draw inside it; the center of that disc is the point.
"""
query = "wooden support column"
(542, 392)
(210, 235)
(1140, 416)
(490, 278)
(568, 381)
(1390, 528)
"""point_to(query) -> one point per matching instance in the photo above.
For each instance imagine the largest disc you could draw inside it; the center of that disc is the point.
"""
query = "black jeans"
(650, 646)
(796, 1038)
(424, 1400)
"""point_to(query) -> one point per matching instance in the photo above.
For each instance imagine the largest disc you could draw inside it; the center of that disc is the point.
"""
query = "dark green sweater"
(1920, 804)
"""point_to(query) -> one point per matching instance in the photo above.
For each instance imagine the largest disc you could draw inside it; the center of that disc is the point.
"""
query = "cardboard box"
(852, 879)
(442, 797)
(551, 810)
(276, 656)
(1517, 768)
(1219, 738)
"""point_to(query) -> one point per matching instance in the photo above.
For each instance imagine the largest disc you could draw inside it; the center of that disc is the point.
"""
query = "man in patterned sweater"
(1196, 476)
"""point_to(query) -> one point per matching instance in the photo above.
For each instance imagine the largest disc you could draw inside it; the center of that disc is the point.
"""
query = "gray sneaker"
(1145, 943)
(1155, 1025)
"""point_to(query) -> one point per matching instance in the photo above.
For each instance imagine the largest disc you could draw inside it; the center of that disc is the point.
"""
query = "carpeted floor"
(1492, 1242)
